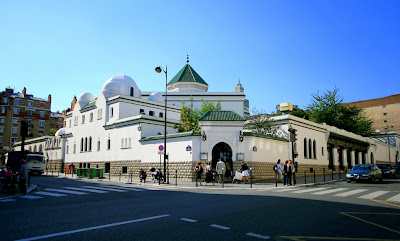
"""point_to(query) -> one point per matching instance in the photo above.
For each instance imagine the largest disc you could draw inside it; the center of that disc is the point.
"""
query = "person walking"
(245, 173)
(209, 174)
(221, 168)
(290, 172)
(199, 171)
(22, 176)
(278, 171)
(286, 173)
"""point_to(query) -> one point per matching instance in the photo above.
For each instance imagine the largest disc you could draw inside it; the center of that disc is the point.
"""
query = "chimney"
(49, 98)
(9, 90)
(73, 103)
(24, 91)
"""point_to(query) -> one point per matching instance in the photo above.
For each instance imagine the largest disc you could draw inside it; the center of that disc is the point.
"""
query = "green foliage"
(190, 117)
(297, 111)
(329, 108)
(260, 122)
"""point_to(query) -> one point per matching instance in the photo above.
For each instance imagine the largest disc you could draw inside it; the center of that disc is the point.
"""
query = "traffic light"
(24, 128)
(292, 135)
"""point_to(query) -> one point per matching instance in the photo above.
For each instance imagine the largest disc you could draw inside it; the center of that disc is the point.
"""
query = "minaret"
(239, 87)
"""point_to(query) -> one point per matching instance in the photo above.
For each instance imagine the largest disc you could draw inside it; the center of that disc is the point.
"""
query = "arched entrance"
(224, 152)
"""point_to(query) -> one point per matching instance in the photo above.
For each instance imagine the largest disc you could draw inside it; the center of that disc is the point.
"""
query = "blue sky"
(282, 51)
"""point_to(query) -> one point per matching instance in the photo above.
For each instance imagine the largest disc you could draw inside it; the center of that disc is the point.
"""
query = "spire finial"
(187, 58)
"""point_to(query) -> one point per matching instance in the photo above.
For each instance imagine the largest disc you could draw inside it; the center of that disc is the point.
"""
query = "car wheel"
(348, 181)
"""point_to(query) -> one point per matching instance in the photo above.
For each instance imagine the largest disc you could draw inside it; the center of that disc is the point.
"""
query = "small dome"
(156, 96)
(120, 85)
(61, 131)
(85, 98)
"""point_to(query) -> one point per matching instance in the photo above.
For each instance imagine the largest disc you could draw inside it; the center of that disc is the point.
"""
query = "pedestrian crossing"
(342, 192)
(81, 190)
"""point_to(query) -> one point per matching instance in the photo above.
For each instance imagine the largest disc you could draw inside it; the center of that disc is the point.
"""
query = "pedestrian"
(221, 168)
(199, 171)
(209, 174)
(290, 172)
(245, 173)
(22, 176)
(285, 173)
(278, 171)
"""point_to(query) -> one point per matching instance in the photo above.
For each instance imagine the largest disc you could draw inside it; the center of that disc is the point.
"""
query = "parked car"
(387, 170)
(397, 167)
(364, 172)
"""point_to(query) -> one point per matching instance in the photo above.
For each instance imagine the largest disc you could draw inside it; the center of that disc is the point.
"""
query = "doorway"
(224, 152)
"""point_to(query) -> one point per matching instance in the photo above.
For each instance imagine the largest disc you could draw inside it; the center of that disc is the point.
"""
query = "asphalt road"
(128, 212)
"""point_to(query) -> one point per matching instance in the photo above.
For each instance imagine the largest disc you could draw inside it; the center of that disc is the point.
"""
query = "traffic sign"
(161, 148)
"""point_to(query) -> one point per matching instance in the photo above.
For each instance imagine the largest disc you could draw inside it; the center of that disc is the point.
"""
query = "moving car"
(387, 170)
(364, 172)
(397, 167)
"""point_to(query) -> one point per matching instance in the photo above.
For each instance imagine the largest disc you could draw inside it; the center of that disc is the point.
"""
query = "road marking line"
(258, 236)
(219, 226)
(374, 195)
(311, 190)
(345, 194)
(7, 200)
(385, 202)
(86, 189)
(301, 238)
(127, 188)
(378, 225)
(286, 189)
(395, 198)
(30, 197)
(105, 189)
(93, 228)
(188, 220)
(329, 191)
(51, 194)
(66, 191)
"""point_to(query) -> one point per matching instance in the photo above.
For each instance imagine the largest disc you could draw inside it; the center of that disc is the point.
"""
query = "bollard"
(222, 176)
(196, 177)
(176, 177)
(58, 173)
(324, 174)
(276, 180)
(65, 172)
(340, 177)
(332, 173)
(305, 178)
(120, 176)
(29, 177)
(251, 179)
(159, 179)
(51, 172)
(314, 176)
(72, 172)
(109, 175)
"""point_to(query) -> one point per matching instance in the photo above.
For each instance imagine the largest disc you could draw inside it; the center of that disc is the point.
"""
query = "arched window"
(40, 148)
(86, 144)
(372, 158)
(90, 143)
(310, 148)
(82, 144)
(30, 149)
(126, 143)
(34, 148)
(131, 92)
(315, 149)
(98, 145)
(151, 113)
(112, 111)
(108, 144)
(305, 147)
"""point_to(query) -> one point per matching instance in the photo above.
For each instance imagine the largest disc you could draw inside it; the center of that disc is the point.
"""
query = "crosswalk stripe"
(51, 194)
(105, 189)
(66, 191)
(127, 188)
(286, 189)
(374, 195)
(395, 198)
(329, 191)
(310, 190)
(30, 197)
(86, 189)
(349, 193)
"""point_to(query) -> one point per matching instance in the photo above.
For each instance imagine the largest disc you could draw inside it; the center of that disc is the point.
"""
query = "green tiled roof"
(221, 115)
(187, 74)
(176, 135)
(264, 136)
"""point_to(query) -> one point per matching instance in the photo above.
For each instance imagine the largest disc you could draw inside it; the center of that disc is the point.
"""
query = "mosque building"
(121, 130)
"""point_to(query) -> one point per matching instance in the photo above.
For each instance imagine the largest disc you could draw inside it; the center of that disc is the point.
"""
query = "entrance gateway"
(224, 152)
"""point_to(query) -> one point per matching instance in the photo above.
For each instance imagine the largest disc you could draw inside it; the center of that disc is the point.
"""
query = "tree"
(329, 108)
(260, 122)
(190, 117)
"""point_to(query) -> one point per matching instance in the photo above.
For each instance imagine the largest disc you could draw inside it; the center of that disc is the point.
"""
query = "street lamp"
(387, 135)
(160, 69)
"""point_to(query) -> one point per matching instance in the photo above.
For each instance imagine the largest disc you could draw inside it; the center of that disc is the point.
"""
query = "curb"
(29, 189)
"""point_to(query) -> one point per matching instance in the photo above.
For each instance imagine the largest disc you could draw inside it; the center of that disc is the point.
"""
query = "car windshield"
(35, 159)
(362, 167)
(384, 166)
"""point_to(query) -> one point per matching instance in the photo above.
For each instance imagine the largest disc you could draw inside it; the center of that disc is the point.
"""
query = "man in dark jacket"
(22, 176)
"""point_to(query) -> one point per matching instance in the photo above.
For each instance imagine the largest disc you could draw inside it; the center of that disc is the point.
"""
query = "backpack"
(275, 167)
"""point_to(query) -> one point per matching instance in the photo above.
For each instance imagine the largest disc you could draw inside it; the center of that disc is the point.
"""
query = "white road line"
(51, 194)
(349, 193)
(66, 191)
(86, 189)
(286, 189)
(311, 190)
(188, 220)
(30, 197)
(127, 188)
(219, 226)
(329, 191)
(374, 195)
(258, 236)
(395, 198)
(7, 200)
(93, 228)
(105, 188)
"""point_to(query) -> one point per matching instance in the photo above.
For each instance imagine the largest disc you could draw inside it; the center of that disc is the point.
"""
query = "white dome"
(120, 85)
(156, 96)
(85, 98)
(61, 131)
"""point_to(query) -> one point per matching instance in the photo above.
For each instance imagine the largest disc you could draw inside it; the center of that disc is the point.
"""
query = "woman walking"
(245, 173)
(199, 171)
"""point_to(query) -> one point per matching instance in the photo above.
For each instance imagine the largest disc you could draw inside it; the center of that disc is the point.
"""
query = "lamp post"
(387, 135)
(160, 69)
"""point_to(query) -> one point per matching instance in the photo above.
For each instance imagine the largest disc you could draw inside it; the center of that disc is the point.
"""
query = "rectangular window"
(99, 114)
(30, 103)
(14, 131)
(3, 110)
(83, 119)
(91, 117)
(75, 120)
(67, 149)
(40, 133)
(29, 112)
(16, 111)
(124, 169)
(13, 140)
(74, 148)
(15, 121)
(1, 130)
(1, 140)
(1, 120)
(141, 111)
(161, 114)
(42, 114)
(69, 123)
(98, 145)
(5, 100)
(108, 144)
(385, 113)
(41, 123)
(16, 102)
